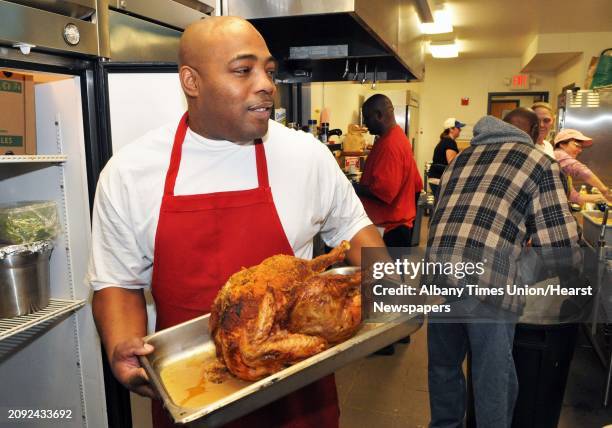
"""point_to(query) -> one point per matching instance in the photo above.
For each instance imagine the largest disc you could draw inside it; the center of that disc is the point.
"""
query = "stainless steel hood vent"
(378, 40)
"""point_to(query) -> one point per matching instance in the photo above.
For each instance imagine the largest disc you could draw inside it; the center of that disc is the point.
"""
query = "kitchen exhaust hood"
(335, 40)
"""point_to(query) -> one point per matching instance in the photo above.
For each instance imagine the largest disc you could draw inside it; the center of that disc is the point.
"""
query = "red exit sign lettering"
(520, 81)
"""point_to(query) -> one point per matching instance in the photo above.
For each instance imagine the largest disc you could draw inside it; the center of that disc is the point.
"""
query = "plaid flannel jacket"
(494, 198)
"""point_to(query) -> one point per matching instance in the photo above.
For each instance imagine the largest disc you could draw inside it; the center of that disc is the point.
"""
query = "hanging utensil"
(356, 70)
(346, 69)
(374, 80)
(365, 73)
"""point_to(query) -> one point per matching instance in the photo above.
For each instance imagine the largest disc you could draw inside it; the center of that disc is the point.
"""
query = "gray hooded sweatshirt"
(491, 130)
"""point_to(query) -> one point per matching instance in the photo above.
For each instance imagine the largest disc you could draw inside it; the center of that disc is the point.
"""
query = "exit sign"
(520, 81)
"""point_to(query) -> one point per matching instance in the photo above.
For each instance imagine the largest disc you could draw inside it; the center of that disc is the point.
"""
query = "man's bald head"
(524, 119)
(202, 36)
(378, 114)
(378, 102)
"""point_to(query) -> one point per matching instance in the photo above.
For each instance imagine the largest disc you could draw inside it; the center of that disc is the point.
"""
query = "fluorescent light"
(444, 49)
(442, 23)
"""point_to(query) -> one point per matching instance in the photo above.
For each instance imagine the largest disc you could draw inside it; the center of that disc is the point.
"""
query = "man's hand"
(126, 366)
(121, 318)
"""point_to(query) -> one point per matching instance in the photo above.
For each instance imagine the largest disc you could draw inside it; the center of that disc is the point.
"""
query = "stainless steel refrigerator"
(590, 112)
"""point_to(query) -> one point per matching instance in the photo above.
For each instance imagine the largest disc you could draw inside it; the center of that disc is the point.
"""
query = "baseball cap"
(572, 134)
(451, 122)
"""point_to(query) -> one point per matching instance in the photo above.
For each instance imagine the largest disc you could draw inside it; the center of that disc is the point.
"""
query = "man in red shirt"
(391, 182)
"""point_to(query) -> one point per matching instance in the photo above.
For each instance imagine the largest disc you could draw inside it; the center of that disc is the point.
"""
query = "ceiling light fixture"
(444, 49)
(442, 22)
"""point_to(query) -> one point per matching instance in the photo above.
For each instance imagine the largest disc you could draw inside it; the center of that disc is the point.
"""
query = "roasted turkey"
(282, 311)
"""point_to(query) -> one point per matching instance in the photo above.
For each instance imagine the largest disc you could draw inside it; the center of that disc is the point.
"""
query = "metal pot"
(24, 278)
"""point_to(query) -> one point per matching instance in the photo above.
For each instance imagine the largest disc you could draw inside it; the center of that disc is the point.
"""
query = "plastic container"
(583, 191)
(25, 222)
(312, 127)
(280, 115)
(324, 134)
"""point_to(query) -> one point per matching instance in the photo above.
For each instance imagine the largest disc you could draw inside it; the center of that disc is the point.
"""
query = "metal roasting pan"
(191, 339)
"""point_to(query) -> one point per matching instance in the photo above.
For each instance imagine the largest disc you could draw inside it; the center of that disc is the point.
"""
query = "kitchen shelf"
(33, 158)
(16, 331)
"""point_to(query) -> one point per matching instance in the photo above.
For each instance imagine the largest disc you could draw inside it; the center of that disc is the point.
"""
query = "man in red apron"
(226, 72)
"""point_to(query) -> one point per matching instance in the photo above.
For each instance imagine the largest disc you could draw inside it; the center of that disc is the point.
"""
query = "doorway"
(499, 108)
(500, 103)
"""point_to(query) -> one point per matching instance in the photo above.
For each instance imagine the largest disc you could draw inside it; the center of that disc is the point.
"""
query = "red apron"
(201, 240)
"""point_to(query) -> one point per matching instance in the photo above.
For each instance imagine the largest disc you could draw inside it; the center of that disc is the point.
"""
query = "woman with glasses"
(569, 143)
(546, 117)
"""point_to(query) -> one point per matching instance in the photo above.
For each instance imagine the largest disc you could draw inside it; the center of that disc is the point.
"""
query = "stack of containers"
(27, 231)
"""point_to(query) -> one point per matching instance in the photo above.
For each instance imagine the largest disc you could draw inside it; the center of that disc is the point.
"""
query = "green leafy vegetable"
(28, 221)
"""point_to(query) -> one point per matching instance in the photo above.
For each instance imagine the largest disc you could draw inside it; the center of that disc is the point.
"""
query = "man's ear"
(190, 80)
(535, 132)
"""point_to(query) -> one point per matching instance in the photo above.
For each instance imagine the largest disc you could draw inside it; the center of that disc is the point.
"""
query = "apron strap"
(262, 166)
(175, 157)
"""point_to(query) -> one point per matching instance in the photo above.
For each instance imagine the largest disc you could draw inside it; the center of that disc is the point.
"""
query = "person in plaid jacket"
(497, 196)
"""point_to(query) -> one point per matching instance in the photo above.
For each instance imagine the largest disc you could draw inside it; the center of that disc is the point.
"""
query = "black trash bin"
(542, 356)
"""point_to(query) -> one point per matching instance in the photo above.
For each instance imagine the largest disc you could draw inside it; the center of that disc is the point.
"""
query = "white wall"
(447, 81)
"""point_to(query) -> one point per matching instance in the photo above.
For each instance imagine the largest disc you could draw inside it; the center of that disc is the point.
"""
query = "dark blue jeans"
(493, 373)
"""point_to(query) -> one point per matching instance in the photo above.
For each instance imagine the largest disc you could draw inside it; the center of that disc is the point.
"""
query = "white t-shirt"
(546, 148)
(310, 192)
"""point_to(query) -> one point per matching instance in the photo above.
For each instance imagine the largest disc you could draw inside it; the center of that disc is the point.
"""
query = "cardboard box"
(17, 114)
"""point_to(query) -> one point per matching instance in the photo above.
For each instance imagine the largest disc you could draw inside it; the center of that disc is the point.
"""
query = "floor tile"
(358, 418)
(382, 397)
(417, 379)
(415, 404)
(410, 422)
